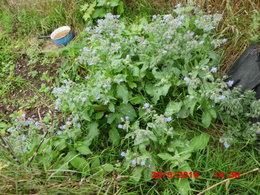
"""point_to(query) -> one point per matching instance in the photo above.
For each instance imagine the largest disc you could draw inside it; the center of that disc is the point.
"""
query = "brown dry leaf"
(2, 166)
(227, 184)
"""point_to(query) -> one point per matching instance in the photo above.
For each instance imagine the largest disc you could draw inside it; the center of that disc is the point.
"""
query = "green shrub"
(147, 85)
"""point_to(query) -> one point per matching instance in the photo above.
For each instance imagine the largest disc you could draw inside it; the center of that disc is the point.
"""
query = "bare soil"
(20, 99)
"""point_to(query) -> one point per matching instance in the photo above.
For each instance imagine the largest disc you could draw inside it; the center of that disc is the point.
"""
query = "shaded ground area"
(33, 97)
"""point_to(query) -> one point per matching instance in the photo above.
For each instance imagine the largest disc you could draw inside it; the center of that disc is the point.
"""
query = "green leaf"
(84, 7)
(120, 8)
(176, 71)
(147, 175)
(213, 113)
(122, 93)
(137, 99)
(114, 136)
(151, 136)
(85, 115)
(113, 3)
(173, 107)
(99, 13)
(183, 186)
(137, 174)
(206, 119)
(161, 91)
(165, 156)
(95, 164)
(183, 113)
(89, 10)
(111, 118)
(108, 167)
(111, 107)
(199, 142)
(128, 110)
(93, 132)
(99, 115)
(101, 3)
(84, 149)
(185, 167)
(192, 103)
(80, 164)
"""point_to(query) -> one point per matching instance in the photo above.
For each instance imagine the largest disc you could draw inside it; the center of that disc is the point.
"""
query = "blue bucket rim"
(59, 30)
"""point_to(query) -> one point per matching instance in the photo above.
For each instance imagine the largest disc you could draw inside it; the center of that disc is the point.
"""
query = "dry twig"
(226, 180)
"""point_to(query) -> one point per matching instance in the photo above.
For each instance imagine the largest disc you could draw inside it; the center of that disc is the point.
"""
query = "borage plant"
(147, 85)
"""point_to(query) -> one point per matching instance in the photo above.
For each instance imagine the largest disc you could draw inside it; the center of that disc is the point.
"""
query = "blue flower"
(37, 124)
(123, 154)
(221, 97)
(176, 11)
(120, 126)
(59, 132)
(91, 63)
(201, 42)
(23, 138)
(230, 83)
(191, 33)
(88, 29)
(226, 145)
(178, 5)
(63, 127)
(23, 115)
(182, 17)
(169, 119)
(10, 130)
(154, 17)
(142, 162)
(24, 149)
(79, 126)
(127, 118)
(167, 16)
(187, 80)
(86, 49)
(146, 105)
(27, 122)
(68, 123)
(97, 96)
(65, 81)
(70, 99)
(213, 69)
(179, 23)
(133, 162)
(224, 40)
(196, 21)
(145, 28)
(84, 99)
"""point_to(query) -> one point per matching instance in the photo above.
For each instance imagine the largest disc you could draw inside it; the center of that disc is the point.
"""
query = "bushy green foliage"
(99, 8)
